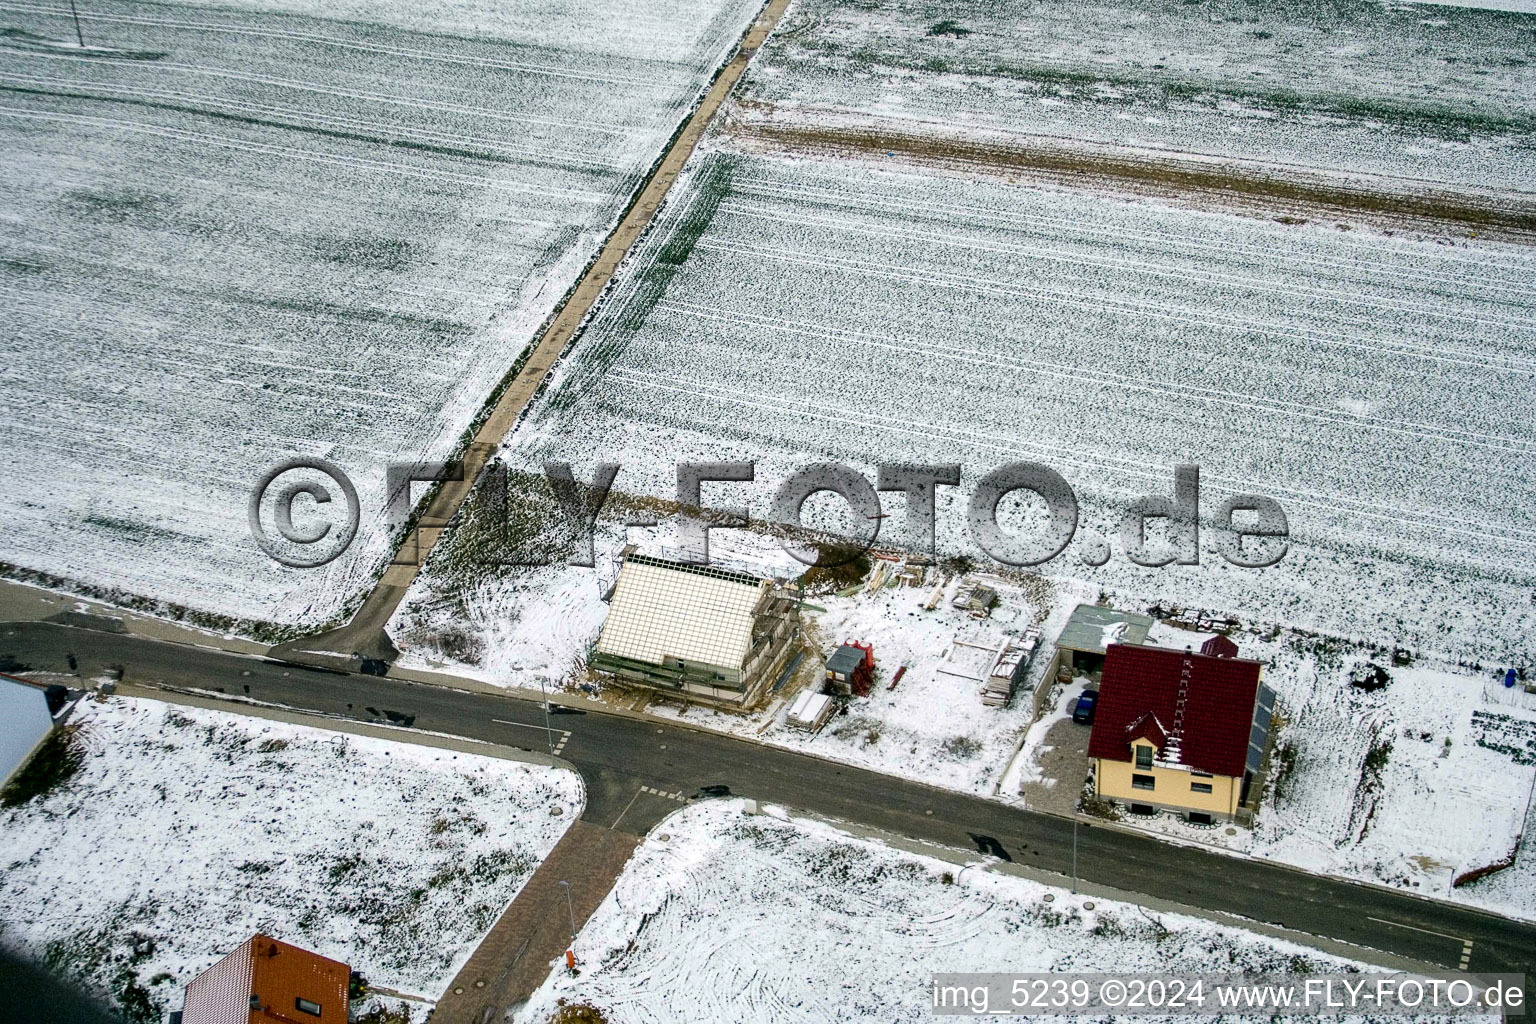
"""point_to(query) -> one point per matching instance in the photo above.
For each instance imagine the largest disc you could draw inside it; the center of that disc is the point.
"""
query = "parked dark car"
(1086, 702)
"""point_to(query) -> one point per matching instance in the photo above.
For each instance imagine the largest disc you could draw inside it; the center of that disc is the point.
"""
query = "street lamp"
(1074, 854)
(549, 732)
(568, 909)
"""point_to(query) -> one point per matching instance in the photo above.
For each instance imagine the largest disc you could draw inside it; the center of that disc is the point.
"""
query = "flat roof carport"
(1093, 627)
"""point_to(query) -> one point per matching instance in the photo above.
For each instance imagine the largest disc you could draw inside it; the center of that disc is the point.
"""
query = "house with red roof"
(1185, 731)
(267, 981)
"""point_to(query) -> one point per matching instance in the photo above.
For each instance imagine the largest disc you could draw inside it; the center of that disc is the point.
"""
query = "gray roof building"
(24, 723)
(1090, 631)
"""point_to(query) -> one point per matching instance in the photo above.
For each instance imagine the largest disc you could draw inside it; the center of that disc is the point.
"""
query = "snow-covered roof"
(663, 609)
(808, 706)
(1093, 627)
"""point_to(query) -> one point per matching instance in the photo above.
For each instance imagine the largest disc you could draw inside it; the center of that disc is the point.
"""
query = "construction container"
(851, 670)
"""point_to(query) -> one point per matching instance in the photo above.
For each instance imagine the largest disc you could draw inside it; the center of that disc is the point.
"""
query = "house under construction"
(707, 633)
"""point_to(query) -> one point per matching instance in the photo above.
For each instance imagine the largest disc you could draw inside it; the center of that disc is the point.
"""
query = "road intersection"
(635, 767)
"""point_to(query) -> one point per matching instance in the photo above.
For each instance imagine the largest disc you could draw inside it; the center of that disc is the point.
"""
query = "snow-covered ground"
(232, 235)
(764, 918)
(188, 830)
(791, 311)
(1417, 93)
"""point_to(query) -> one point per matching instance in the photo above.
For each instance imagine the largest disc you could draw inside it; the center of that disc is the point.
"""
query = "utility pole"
(549, 733)
(567, 887)
(78, 34)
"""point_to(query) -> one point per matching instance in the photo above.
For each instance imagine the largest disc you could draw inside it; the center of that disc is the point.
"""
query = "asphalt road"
(618, 756)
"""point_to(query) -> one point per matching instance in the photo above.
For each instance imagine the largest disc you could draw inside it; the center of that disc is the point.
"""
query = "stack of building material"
(975, 597)
(851, 670)
(1011, 669)
(809, 711)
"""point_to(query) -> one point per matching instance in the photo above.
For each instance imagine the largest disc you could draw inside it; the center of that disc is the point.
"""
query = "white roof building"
(710, 632)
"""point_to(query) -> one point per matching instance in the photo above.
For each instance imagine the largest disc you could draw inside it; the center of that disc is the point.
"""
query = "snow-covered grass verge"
(188, 830)
(762, 919)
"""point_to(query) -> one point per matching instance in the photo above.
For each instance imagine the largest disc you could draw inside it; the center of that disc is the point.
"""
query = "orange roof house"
(265, 981)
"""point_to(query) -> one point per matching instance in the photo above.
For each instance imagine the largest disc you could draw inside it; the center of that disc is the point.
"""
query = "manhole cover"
(555, 812)
(480, 983)
(458, 990)
(663, 838)
(1088, 905)
(1050, 897)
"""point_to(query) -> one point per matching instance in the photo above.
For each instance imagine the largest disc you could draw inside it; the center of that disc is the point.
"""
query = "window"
(1201, 775)
(1200, 787)
(1200, 818)
(1143, 782)
(1143, 757)
(307, 1006)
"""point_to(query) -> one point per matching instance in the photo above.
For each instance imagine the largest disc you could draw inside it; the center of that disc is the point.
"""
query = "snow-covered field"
(240, 233)
(1377, 387)
(761, 919)
(187, 830)
(1420, 93)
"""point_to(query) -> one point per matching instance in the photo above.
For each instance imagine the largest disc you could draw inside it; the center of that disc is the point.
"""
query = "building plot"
(1377, 387)
(764, 918)
(233, 236)
(182, 832)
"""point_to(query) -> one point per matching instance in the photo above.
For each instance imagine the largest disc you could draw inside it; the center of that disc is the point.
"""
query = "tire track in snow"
(351, 163)
(1523, 268)
(347, 44)
(323, 90)
(1108, 379)
(1099, 461)
(1127, 266)
(822, 262)
(313, 117)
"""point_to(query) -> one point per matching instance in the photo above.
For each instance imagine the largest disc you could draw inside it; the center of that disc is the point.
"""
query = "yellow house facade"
(1144, 780)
